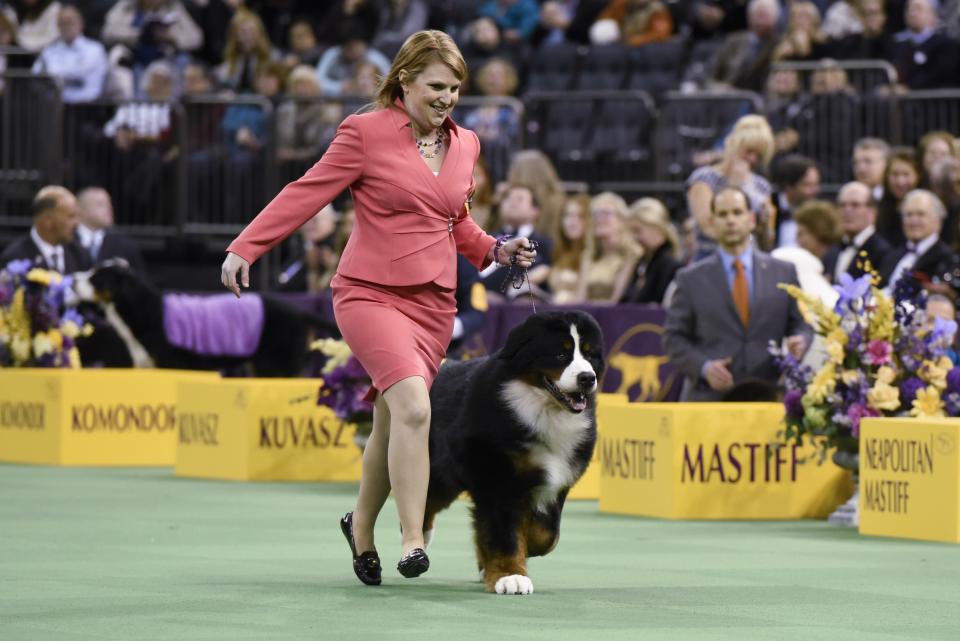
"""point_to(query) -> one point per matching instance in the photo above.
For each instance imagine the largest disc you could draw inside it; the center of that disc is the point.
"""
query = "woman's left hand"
(521, 247)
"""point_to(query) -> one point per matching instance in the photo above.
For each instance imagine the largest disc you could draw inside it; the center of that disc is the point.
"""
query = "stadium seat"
(604, 68)
(553, 67)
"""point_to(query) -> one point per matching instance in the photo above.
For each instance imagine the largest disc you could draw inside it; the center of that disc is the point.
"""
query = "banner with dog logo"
(710, 461)
(910, 478)
(90, 416)
(262, 429)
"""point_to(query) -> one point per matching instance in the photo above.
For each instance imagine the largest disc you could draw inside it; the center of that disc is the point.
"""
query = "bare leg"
(409, 456)
(375, 480)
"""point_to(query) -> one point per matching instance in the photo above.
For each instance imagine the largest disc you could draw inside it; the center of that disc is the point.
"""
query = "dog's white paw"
(514, 584)
(427, 539)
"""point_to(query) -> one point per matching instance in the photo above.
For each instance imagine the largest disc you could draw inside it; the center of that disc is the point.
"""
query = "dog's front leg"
(502, 551)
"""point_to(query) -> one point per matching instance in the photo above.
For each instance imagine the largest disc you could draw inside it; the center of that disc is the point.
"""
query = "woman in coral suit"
(409, 168)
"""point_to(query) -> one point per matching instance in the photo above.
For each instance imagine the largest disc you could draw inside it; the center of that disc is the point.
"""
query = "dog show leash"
(516, 274)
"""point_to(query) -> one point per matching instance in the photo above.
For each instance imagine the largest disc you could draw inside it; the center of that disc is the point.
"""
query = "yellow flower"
(20, 348)
(850, 376)
(881, 319)
(56, 338)
(43, 276)
(927, 403)
(814, 312)
(69, 329)
(835, 353)
(934, 373)
(884, 397)
(42, 344)
(885, 375)
(337, 350)
(838, 336)
(822, 385)
(74, 356)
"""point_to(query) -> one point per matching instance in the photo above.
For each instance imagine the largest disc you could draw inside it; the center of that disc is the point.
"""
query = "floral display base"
(848, 514)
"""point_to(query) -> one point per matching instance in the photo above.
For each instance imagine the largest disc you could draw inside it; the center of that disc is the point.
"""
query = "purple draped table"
(633, 338)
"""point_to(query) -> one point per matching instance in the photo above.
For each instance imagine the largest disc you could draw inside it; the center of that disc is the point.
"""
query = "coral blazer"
(409, 223)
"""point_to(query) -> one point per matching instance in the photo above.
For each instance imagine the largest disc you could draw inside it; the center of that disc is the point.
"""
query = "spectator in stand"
(925, 256)
(314, 258)
(743, 60)
(305, 125)
(746, 149)
(399, 19)
(649, 223)
(339, 64)
(482, 41)
(532, 167)
(97, 235)
(860, 242)
(870, 163)
(873, 41)
(717, 18)
(842, 19)
(797, 181)
(35, 22)
(614, 254)
(518, 216)
(50, 242)
(945, 183)
(248, 50)
(803, 35)
(364, 83)
(944, 308)
(640, 21)
(818, 228)
(481, 201)
(516, 18)
(934, 147)
(924, 57)
(496, 123)
(125, 21)
(79, 62)
(782, 107)
(8, 38)
(572, 252)
(567, 21)
(356, 17)
(302, 44)
(901, 177)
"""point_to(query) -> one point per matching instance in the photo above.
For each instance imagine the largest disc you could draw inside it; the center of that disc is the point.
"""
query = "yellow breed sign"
(710, 461)
(910, 478)
(90, 417)
(262, 429)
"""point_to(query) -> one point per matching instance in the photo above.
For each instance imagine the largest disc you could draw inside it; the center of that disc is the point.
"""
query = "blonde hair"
(261, 50)
(753, 132)
(533, 167)
(418, 52)
(610, 200)
(568, 252)
(652, 212)
(508, 69)
(302, 73)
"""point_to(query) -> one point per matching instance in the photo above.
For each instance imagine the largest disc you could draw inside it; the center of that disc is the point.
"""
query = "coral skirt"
(395, 332)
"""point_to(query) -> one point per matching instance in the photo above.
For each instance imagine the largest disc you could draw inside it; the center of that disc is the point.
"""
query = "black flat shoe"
(414, 563)
(367, 565)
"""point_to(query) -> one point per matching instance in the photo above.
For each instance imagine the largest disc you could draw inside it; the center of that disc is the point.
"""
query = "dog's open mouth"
(576, 402)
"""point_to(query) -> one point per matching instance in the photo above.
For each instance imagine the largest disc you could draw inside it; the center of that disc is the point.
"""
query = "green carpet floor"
(138, 554)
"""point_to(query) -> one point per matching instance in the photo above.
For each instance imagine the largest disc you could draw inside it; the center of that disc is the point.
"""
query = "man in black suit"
(797, 181)
(924, 57)
(50, 241)
(925, 256)
(96, 233)
(861, 242)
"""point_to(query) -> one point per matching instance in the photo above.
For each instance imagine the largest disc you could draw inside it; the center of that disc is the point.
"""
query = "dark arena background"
(155, 489)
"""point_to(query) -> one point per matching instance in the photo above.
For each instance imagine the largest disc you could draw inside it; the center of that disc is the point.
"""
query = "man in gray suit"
(727, 308)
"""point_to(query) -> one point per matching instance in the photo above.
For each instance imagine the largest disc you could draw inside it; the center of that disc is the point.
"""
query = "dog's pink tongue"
(579, 404)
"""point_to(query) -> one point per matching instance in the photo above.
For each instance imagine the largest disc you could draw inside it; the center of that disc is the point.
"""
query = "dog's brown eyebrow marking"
(568, 344)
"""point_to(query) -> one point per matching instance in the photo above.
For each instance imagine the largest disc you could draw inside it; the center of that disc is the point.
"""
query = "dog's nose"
(585, 380)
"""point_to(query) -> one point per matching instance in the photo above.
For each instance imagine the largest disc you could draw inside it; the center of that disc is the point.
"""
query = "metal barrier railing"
(917, 112)
(593, 135)
(692, 123)
(865, 76)
(31, 121)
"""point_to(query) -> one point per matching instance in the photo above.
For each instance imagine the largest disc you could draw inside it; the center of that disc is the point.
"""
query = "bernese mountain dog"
(256, 335)
(516, 430)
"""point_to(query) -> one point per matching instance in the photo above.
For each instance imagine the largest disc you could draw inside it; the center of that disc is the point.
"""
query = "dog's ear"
(517, 341)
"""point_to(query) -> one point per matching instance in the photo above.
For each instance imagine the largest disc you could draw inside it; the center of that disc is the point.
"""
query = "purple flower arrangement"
(35, 328)
(884, 357)
(344, 382)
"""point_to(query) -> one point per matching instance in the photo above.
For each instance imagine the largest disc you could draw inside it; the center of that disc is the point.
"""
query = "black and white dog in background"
(516, 430)
(138, 314)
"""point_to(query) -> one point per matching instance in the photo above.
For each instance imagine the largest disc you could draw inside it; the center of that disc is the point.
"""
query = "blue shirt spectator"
(516, 18)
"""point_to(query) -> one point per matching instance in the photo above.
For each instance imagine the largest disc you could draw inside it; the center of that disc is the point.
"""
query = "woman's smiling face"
(431, 96)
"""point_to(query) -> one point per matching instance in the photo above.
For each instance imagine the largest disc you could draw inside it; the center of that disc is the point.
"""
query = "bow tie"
(846, 243)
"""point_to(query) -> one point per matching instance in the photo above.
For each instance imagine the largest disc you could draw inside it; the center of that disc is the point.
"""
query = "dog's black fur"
(283, 347)
(481, 444)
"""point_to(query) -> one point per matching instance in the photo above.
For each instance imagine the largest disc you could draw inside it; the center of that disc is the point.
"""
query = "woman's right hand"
(234, 265)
